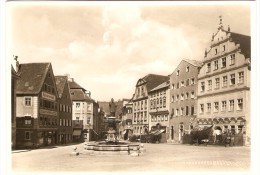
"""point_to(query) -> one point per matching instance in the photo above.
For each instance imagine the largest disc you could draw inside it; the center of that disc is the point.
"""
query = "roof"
(32, 76)
(74, 85)
(153, 80)
(244, 41)
(194, 62)
(60, 83)
(161, 86)
(79, 95)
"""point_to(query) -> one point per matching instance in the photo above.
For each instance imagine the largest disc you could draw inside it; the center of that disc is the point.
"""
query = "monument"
(112, 145)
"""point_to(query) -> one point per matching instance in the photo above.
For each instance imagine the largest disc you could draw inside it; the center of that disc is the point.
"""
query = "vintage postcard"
(126, 87)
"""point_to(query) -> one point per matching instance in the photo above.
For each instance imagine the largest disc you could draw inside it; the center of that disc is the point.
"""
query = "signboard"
(48, 96)
(48, 112)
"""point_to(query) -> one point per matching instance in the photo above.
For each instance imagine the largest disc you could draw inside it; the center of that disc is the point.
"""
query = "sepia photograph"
(125, 87)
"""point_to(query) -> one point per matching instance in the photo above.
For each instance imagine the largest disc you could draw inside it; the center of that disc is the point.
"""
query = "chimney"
(228, 28)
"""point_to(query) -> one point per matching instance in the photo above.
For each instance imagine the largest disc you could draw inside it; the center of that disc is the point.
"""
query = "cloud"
(106, 49)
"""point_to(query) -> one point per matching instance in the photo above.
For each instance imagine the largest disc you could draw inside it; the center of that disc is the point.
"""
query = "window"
(232, 79)
(88, 120)
(187, 69)
(216, 51)
(151, 106)
(164, 102)
(192, 110)
(202, 86)
(224, 48)
(173, 98)
(172, 111)
(177, 97)
(178, 73)
(216, 107)
(187, 82)
(224, 81)
(60, 122)
(192, 95)
(182, 96)
(209, 85)
(208, 67)
(208, 107)
(166, 117)
(177, 87)
(192, 81)
(158, 118)
(233, 130)
(162, 118)
(224, 106)
(187, 95)
(201, 108)
(77, 105)
(172, 86)
(161, 102)
(182, 83)
(182, 111)
(177, 112)
(217, 83)
(240, 77)
(231, 105)
(77, 120)
(239, 104)
(27, 135)
(224, 62)
(216, 65)
(28, 121)
(187, 110)
(28, 101)
(232, 59)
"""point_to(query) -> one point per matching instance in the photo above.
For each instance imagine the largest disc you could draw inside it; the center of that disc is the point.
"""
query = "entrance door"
(172, 133)
(180, 132)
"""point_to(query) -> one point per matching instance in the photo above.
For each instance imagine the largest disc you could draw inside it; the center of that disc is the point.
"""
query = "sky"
(106, 48)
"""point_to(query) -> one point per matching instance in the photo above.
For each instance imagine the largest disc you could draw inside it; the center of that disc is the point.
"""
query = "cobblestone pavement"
(158, 157)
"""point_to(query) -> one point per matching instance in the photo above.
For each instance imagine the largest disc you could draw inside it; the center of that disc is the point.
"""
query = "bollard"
(74, 152)
(135, 152)
(142, 149)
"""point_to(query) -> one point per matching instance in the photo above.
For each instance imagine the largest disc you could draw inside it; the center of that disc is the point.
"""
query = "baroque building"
(159, 100)
(183, 98)
(36, 106)
(140, 101)
(82, 112)
(224, 83)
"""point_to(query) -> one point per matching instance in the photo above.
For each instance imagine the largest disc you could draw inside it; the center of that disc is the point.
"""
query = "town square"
(130, 87)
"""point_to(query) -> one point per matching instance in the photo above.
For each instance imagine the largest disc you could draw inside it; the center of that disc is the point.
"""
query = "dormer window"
(208, 67)
(187, 69)
(178, 73)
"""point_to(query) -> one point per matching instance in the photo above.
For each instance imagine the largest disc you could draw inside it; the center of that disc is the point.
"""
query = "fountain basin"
(106, 148)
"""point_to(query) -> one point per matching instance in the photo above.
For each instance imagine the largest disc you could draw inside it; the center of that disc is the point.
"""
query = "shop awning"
(77, 132)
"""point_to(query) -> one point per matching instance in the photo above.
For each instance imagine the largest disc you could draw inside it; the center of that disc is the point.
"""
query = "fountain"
(112, 145)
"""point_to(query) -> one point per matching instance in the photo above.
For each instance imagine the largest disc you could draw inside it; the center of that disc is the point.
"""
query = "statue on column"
(112, 108)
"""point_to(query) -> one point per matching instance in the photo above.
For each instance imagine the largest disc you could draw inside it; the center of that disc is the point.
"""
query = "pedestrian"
(232, 139)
